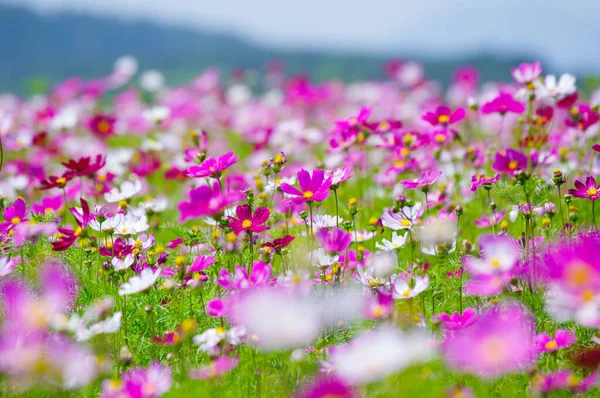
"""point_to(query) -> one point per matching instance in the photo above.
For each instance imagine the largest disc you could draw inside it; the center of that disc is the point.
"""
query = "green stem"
(337, 209)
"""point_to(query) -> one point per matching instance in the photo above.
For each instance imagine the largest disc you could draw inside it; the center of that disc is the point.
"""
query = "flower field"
(295, 238)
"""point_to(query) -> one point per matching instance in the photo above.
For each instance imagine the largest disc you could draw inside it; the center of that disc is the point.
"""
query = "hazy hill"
(55, 46)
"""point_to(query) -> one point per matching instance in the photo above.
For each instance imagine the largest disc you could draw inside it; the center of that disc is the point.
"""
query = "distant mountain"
(56, 46)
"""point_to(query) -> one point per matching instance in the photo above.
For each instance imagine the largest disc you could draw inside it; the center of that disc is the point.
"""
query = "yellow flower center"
(278, 159)
(440, 137)
(78, 231)
(493, 349)
(443, 119)
(61, 180)
(406, 293)
(592, 192)
(405, 223)
(377, 311)
(212, 169)
(48, 210)
(384, 125)
(308, 195)
(495, 263)
(352, 121)
(551, 345)
(513, 164)
(124, 230)
(246, 224)
(578, 273)
(103, 126)
(407, 139)
(15, 220)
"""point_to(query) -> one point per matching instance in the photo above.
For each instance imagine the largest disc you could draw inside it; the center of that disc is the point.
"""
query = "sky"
(563, 32)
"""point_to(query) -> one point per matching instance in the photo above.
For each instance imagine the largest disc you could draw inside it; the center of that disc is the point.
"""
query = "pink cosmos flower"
(562, 339)
(48, 204)
(503, 104)
(324, 387)
(102, 125)
(312, 188)
(215, 307)
(477, 181)
(424, 182)
(335, 240)
(338, 176)
(582, 117)
(589, 190)
(499, 342)
(248, 222)
(216, 368)
(13, 215)
(527, 73)
(212, 167)
(139, 383)
(510, 161)
(201, 263)
(259, 275)
(207, 201)
(456, 321)
(486, 222)
(444, 116)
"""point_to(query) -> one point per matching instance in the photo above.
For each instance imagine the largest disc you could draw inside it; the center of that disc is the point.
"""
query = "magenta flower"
(527, 73)
(477, 181)
(140, 383)
(13, 215)
(324, 387)
(260, 275)
(456, 321)
(562, 339)
(48, 204)
(212, 167)
(215, 307)
(499, 342)
(510, 161)
(582, 117)
(334, 241)
(338, 176)
(444, 116)
(200, 264)
(216, 368)
(207, 201)
(312, 188)
(589, 190)
(486, 222)
(503, 104)
(424, 182)
(248, 222)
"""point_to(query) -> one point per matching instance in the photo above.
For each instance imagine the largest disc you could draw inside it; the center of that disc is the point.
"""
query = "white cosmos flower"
(110, 224)
(395, 243)
(152, 80)
(363, 236)
(404, 219)
(550, 88)
(65, 120)
(132, 224)
(122, 264)
(276, 319)
(7, 266)
(402, 289)
(375, 355)
(325, 221)
(156, 114)
(127, 190)
(139, 283)
(109, 325)
(322, 260)
(155, 205)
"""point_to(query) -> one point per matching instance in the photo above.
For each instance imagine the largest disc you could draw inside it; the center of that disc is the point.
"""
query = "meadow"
(308, 239)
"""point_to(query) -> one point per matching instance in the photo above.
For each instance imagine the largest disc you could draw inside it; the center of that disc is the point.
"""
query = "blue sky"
(563, 32)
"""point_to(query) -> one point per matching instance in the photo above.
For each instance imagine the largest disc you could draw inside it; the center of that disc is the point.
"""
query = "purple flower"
(444, 116)
(201, 263)
(503, 104)
(335, 240)
(215, 307)
(212, 167)
(207, 201)
(486, 222)
(13, 215)
(260, 275)
(510, 161)
(312, 188)
(324, 387)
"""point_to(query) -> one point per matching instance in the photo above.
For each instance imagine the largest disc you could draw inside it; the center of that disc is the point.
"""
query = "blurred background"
(43, 41)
